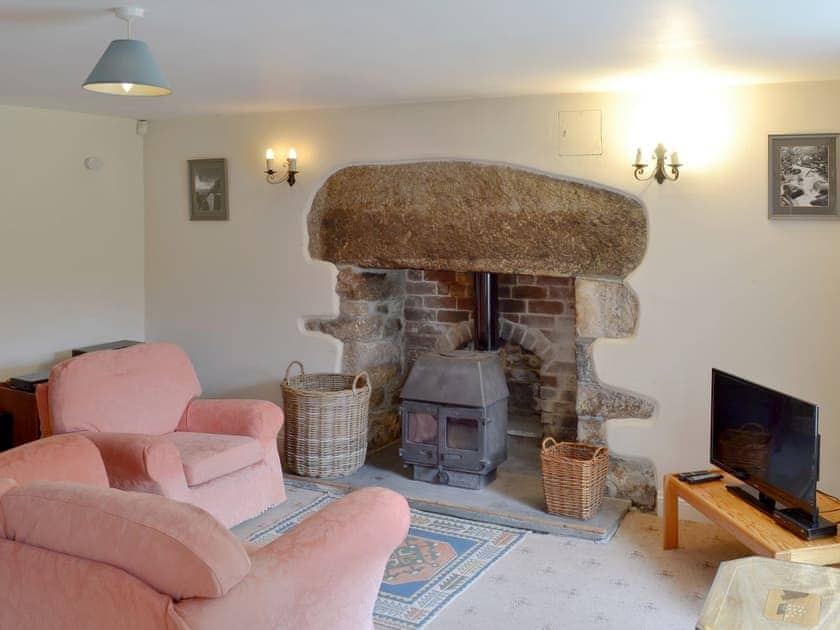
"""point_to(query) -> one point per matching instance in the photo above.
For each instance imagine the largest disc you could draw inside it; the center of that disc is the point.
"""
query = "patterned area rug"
(439, 559)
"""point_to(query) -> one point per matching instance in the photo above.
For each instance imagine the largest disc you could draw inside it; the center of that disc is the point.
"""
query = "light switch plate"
(580, 132)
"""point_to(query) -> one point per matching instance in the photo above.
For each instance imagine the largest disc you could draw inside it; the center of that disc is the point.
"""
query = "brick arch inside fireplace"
(537, 324)
(391, 228)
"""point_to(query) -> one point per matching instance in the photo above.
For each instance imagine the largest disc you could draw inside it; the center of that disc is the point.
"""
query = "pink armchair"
(139, 406)
(80, 555)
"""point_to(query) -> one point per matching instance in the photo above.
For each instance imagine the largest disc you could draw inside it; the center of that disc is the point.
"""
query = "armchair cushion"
(141, 389)
(208, 456)
(174, 547)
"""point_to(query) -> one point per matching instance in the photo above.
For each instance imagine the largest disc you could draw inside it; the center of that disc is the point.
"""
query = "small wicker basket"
(326, 422)
(574, 477)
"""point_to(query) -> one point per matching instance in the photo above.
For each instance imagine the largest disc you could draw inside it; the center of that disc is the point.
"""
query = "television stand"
(754, 528)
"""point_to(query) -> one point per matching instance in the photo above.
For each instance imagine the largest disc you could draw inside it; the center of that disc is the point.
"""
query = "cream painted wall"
(71, 240)
(720, 284)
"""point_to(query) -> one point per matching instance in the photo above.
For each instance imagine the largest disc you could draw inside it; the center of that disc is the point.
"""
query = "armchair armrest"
(258, 419)
(325, 573)
(67, 457)
(146, 463)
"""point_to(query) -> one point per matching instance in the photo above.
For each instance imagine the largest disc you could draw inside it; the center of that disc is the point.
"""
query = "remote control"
(693, 473)
(709, 476)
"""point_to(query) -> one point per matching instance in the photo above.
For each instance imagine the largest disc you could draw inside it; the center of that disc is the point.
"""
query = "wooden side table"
(26, 425)
(750, 526)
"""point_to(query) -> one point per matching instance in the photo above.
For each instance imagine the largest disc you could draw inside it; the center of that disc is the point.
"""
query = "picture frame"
(208, 189)
(802, 176)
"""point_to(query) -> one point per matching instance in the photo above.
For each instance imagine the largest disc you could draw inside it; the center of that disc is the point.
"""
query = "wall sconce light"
(660, 170)
(277, 177)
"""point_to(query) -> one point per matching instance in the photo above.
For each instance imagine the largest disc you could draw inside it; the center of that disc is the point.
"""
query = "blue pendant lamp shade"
(128, 69)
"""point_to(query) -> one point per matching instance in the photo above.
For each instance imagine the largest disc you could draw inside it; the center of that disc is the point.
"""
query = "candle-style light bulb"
(675, 158)
(269, 159)
(292, 159)
(638, 156)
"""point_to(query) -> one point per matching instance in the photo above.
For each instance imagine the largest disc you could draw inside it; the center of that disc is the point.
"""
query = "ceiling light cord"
(128, 14)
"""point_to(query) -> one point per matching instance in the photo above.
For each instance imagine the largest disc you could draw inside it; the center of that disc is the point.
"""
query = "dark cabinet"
(21, 406)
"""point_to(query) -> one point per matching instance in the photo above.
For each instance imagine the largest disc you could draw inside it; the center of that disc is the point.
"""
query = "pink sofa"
(139, 405)
(77, 554)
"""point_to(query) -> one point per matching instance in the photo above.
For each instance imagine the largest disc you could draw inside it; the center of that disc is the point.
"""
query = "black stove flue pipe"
(486, 311)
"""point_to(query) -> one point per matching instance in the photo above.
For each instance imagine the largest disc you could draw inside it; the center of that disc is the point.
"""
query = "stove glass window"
(422, 428)
(462, 433)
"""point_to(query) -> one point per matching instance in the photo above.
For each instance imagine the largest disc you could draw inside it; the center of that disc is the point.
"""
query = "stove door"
(420, 433)
(462, 438)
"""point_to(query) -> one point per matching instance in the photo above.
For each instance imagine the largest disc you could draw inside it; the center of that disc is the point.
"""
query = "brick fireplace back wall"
(439, 309)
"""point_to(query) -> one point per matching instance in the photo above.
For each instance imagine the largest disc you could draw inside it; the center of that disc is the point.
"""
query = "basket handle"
(356, 382)
(299, 364)
(545, 442)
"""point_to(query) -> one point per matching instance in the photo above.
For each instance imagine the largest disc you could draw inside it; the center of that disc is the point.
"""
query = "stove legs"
(455, 478)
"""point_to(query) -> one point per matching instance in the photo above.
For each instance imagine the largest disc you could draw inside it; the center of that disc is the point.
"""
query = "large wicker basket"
(574, 477)
(326, 422)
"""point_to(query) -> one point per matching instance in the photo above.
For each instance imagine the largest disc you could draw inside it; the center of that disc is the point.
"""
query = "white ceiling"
(255, 55)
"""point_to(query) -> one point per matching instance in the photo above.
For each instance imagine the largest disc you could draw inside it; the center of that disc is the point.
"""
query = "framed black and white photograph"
(208, 190)
(803, 177)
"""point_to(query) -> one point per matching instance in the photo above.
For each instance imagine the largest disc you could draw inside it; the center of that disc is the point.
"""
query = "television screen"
(767, 439)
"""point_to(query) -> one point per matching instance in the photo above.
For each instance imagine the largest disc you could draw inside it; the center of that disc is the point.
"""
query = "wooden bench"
(750, 526)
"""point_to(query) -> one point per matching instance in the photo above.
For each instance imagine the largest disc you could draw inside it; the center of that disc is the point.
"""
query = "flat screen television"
(771, 442)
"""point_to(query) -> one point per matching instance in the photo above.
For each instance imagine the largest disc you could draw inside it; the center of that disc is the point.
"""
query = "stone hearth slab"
(514, 498)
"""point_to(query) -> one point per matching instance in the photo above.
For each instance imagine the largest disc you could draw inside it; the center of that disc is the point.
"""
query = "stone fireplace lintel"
(467, 216)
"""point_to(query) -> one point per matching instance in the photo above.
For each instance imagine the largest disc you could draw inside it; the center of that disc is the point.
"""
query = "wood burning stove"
(454, 418)
(454, 410)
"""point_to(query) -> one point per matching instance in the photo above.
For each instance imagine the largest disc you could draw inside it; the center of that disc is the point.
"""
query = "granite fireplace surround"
(405, 238)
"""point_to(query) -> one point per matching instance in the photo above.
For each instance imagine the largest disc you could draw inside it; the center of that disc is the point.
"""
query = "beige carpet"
(552, 583)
